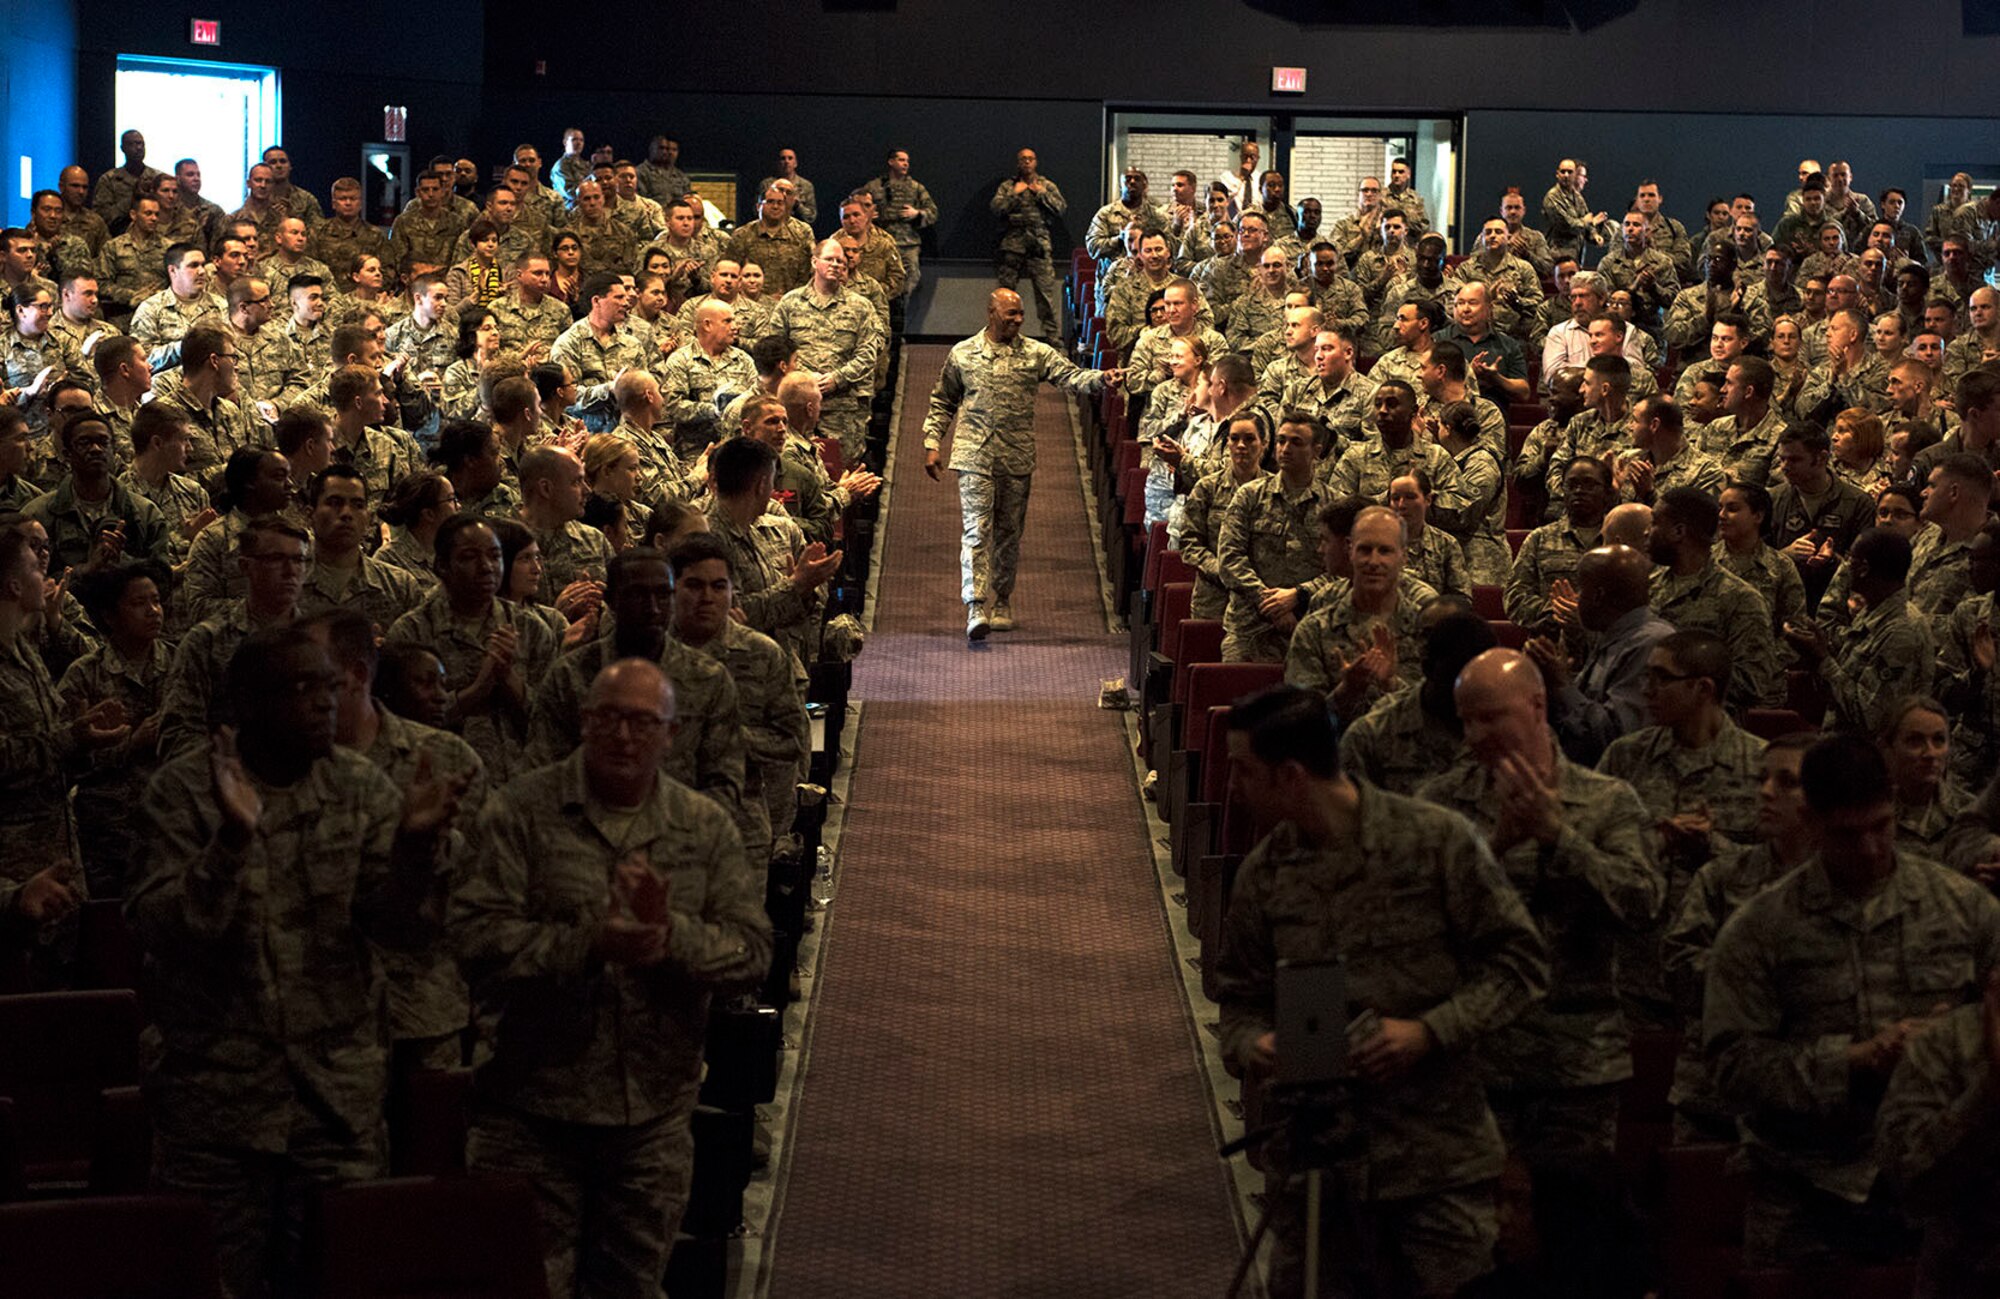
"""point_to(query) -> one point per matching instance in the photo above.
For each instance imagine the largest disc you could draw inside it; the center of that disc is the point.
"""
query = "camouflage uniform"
(989, 390)
(335, 239)
(112, 780)
(1865, 385)
(178, 498)
(379, 591)
(1745, 456)
(1935, 1134)
(1346, 408)
(761, 558)
(163, 320)
(1924, 829)
(383, 457)
(498, 732)
(572, 552)
(1206, 505)
(279, 273)
(1722, 604)
(1428, 928)
(418, 239)
(1970, 694)
(131, 269)
(1717, 892)
(1337, 632)
(36, 747)
(268, 1067)
(69, 337)
(663, 184)
(691, 381)
(1510, 316)
(1721, 779)
(1269, 539)
(1552, 1076)
(1151, 353)
(195, 700)
(1687, 467)
(839, 336)
(1940, 575)
(521, 325)
(784, 253)
(1027, 249)
(890, 194)
(1125, 314)
(596, 1066)
(428, 349)
(1367, 468)
(213, 579)
(1547, 556)
(1221, 280)
(1797, 976)
(1773, 575)
(1342, 302)
(112, 195)
(1479, 522)
(1438, 561)
(809, 493)
(777, 737)
(596, 363)
(1397, 744)
(429, 1007)
(1566, 218)
(1883, 656)
(608, 244)
(1621, 270)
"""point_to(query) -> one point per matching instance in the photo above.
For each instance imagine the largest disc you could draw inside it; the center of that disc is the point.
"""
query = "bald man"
(604, 906)
(1575, 845)
(988, 387)
(1630, 524)
(1606, 697)
(699, 379)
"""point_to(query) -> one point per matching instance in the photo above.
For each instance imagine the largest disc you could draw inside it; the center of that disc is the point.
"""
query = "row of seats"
(1694, 1207)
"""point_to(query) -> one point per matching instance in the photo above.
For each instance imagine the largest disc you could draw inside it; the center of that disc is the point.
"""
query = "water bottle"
(822, 884)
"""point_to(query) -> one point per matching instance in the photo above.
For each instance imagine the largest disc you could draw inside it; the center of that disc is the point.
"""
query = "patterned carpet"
(1002, 1096)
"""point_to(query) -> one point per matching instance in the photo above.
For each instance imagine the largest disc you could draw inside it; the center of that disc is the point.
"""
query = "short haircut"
(1235, 370)
(1337, 516)
(1886, 553)
(238, 470)
(114, 352)
(738, 463)
(148, 423)
(1289, 724)
(1701, 654)
(1758, 376)
(459, 440)
(697, 549)
(1754, 495)
(542, 463)
(599, 285)
(1843, 772)
(1977, 389)
(512, 397)
(316, 486)
(1969, 470)
(201, 345)
(1691, 508)
(771, 352)
(1807, 434)
(298, 426)
(350, 339)
(348, 382)
(249, 680)
(269, 525)
(1451, 357)
(1615, 369)
(1661, 407)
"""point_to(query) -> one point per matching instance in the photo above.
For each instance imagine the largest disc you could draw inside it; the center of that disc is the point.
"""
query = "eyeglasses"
(253, 302)
(641, 725)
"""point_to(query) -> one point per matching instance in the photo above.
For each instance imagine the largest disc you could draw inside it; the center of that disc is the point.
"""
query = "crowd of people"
(1666, 561)
(412, 627)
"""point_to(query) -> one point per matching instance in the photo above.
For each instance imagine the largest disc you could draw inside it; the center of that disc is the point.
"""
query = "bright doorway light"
(223, 115)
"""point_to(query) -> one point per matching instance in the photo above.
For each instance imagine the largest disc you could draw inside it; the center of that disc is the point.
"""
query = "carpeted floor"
(1002, 1096)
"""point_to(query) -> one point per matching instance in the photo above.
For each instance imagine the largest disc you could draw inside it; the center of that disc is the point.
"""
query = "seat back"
(1174, 569)
(1132, 494)
(61, 1049)
(13, 1179)
(1216, 685)
(121, 1146)
(1171, 610)
(1894, 1281)
(428, 1238)
(1509, 636)
(1487, 602)
(1156, 551)
(1201, 642)
(108, 1247)
(1770, 723)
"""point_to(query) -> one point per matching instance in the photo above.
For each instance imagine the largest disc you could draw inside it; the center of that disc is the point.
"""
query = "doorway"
(223, 115)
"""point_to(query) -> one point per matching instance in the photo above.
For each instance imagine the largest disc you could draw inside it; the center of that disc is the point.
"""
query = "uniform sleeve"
(728, 943)
(1743, 1029)
(1101, 240)
(946, 398)
(859, 368)
(1066, 374)
(1523, 598)
(553, 719)
(1246, 967)
(1502, 956)
(185, 701)
(722, 753)
(1611, 859)
(498, 941)
(1938, 1131)
(1690, 934)
(1052, 198)
(1233, 546)
(188, 889)
(1197, 544)
(1309, 656)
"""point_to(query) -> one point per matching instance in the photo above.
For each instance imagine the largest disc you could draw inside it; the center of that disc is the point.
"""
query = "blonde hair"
(604, 450)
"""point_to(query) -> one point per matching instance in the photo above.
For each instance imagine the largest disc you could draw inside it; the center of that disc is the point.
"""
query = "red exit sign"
(204, 31)
(1288, 81)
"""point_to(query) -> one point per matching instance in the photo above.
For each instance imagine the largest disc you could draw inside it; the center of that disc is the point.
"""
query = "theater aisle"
(1002, 1095)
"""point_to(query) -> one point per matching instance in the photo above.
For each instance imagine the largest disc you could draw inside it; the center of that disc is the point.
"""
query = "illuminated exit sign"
(204, 31)
(1288, 81)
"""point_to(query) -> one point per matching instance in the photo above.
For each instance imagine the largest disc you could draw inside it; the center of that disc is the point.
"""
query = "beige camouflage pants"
(1010, 266)
(609, 1197)
(845, 420)
(993, 509)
